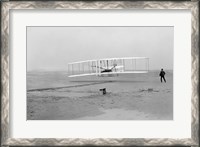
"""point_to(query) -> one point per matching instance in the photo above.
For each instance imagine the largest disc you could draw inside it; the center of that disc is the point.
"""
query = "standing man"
(162, 75)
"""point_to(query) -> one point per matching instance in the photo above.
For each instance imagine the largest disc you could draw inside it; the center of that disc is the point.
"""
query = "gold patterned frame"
(7, 6)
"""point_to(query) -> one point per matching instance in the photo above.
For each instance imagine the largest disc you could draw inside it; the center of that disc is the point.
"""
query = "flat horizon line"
(44, 70)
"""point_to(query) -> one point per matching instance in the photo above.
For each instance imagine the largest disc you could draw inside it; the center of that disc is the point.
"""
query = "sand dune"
(125, 100)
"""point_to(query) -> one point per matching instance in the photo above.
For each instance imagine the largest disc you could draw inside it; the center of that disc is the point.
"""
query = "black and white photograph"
(99, 72)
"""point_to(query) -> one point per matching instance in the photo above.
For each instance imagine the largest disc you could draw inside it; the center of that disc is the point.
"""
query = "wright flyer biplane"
(109, 66)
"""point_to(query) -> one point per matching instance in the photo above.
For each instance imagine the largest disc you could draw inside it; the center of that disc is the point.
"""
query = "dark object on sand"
(150, 90)
(103, 90)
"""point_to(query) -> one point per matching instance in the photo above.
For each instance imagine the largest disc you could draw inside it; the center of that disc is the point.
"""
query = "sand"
(141, 99)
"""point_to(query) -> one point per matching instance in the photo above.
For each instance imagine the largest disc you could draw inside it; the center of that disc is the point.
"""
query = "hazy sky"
(52, 48)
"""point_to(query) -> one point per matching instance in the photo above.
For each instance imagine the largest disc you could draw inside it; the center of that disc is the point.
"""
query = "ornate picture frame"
(7, 6)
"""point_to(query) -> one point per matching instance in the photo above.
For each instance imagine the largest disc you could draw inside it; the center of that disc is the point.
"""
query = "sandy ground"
(125, 100)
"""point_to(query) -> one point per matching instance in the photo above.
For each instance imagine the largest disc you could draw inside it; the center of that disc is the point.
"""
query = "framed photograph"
(99, 73)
